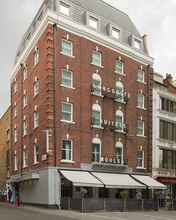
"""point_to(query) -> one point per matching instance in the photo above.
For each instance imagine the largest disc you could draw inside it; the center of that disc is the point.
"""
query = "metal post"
(82, 205)
(69, 203)
(142, 204)
(104, 204)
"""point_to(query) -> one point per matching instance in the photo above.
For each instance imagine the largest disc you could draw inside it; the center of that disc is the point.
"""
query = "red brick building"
(81, 97)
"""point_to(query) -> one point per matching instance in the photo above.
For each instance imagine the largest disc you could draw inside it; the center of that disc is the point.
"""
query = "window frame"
(70, 150)
(143, 74)
(143, 128)
(36, 119)
(94, 52)
(24, 101)
(25, 157)
(93, 20)
(71, 79)
(63, 5)
(25, 127)
(71, 112)
(36, 87)
(141, 159)
(117, 69)
(119, 145)
(142, 97)
(96, 141)
(115, 29)
(25, 73)
(15, 135)
(36, 56)
(71, 49)
(36, 153)
(119, 114)
(96, 108)
(119, 84)
(139, 42)
(97, 90)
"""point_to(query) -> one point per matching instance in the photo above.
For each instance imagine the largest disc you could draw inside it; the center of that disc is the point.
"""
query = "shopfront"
(81, 190)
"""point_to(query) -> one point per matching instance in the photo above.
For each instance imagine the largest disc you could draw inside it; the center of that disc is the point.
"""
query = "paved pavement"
(32, 213)
(12, 213)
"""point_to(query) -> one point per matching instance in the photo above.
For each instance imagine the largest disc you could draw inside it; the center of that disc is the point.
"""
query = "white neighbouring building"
(164, 131)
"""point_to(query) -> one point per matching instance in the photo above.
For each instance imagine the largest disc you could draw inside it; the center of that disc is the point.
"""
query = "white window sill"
(141, 168)
(121, 74)
(122, 102)
(97, 127)
(120, 131)
(97, 95)
(67, 87)
(142, 136)
(143, 82)
(68, 55)
(67, 161)
(141, 108)
(69, 122)
(97, 65)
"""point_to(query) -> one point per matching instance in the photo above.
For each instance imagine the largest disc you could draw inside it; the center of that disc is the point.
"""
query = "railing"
(114, 126)
(110, 93)
(111, 204)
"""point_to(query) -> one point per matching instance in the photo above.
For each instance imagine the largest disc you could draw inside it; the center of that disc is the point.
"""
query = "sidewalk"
(72, 215)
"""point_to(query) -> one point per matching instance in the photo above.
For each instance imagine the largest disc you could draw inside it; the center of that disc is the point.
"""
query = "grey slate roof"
(109, 12)
(106, 13)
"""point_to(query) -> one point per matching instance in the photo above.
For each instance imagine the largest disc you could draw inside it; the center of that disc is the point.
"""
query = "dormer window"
(93, 22)
(137, 44)
(64, 8)
(115, 33)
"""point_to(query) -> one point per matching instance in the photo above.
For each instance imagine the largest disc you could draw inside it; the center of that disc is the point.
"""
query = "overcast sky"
(156, 18)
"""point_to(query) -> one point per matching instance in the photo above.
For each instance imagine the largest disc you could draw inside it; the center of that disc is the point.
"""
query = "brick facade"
(48, 103)
(4, 147)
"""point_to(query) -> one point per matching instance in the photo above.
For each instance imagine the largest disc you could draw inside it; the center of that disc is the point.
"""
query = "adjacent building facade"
(81, 96)
(164, 131)
(4, 148)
